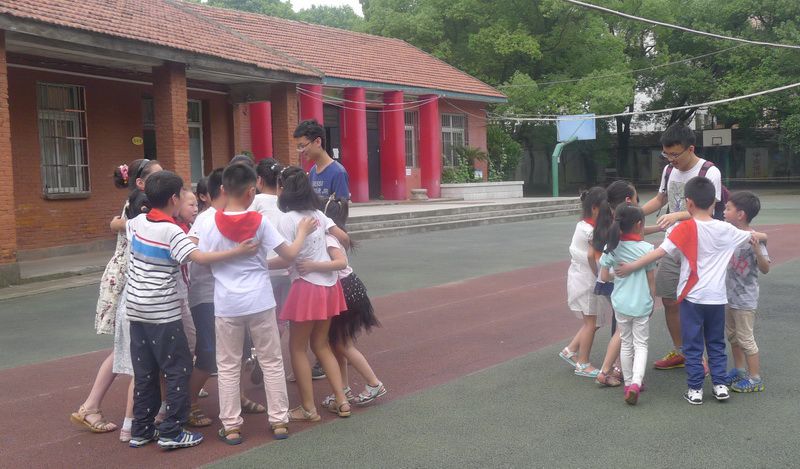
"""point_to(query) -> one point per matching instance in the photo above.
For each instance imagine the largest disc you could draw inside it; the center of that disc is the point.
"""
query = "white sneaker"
(720, 391)
(695, 396)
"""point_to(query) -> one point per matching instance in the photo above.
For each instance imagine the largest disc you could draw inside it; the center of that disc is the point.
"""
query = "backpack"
(724, 193)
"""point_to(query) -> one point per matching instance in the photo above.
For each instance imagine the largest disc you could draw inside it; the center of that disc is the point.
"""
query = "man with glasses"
(678, 145)
(327, 175)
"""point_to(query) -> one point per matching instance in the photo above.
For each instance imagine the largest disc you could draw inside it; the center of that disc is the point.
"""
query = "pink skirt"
(309, 302)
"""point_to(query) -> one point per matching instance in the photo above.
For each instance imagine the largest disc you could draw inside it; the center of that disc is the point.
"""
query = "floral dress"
(112, 285)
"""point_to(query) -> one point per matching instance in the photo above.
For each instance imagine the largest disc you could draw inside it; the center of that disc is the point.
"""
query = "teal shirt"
(631, 295)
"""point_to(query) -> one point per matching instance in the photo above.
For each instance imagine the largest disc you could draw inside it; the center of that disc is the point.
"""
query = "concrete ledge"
(9, 274)
(484, 190)
(66, 250)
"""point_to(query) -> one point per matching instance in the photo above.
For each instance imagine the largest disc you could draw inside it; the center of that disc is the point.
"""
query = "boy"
(327, 176)
(158, 344)
(705, 246)
(742, 283)
(243, 300)
(677, 144)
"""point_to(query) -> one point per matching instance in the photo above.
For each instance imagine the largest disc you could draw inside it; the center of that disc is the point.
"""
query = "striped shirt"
(157, 251)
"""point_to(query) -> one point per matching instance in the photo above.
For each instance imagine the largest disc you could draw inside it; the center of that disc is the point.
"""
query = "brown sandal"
(300, 414)
(252, 407)
(280, 431)
(100, 426)
(224, 434)
(197, 418)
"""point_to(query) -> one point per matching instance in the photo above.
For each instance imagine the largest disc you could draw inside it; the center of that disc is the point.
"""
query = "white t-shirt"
(332, 242)
(676, 201)
(716, 242)
(241, 285)
(202, 281)
(267, 206)
(314, 248)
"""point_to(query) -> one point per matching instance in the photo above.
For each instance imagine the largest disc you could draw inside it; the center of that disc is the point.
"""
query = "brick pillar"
(284, 121)
(393, 147)
(354, 143)
(261, 129)
(9, 271)
(430, 145)
(172, 129)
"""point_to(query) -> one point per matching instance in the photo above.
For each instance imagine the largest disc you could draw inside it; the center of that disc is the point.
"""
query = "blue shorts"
(206, 348)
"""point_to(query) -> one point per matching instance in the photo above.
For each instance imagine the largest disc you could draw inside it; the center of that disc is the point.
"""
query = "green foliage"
(464, 170)
(790, 132)
(342, 17)
(264, 7)
(504, 153)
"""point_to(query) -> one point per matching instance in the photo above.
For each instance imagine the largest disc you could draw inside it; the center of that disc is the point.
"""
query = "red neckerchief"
(156, 215)
(591, 221)
(631, 237)
(240, 227)
(184, 226)
(684, 236)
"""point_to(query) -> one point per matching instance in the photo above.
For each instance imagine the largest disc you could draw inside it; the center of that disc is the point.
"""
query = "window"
(195, 120)
(453, 136)
(62, 139)
(411, 129)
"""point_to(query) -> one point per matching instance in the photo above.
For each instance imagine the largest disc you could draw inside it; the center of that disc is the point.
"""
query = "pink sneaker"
(632, 394)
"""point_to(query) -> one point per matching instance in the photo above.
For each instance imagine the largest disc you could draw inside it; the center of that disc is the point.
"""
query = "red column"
(9, 271)
(172, 128)
(311, 102)
(430, 145)
(393, 147)
(354, 143)
(261, 129)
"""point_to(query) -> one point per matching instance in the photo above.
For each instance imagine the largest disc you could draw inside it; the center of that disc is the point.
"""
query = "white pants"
(634, 331)
(230, 340)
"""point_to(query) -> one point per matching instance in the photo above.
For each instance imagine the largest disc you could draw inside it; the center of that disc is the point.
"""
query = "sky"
(298, 5)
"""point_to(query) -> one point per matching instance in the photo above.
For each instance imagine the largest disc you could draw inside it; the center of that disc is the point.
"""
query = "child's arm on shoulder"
(289, 252)
(651, 282)
(623, 270)
(341, 236)
(278, 263)
(246, 248)
(338, 262)
(118, 224)
(648, 230)
(763, 261)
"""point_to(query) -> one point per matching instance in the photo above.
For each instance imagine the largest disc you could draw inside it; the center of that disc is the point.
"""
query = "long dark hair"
(140, 168)
(296, 191)
(616, 193)
(592, 198)
(625, 219)
(268, 170)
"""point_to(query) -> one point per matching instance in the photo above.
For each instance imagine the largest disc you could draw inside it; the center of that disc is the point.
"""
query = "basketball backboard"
(717, 138)
(581, 126)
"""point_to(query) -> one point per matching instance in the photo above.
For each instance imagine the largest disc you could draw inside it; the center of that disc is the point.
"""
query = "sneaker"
(734, 375)
(370, 394)
(317, 372)
(632, 394)
(748, 384)
(720, 392)
(184, 439)
(671, 360)
(694, 396)
(138, 441)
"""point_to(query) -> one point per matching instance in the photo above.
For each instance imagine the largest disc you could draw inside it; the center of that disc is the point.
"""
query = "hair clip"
(123, 170)
(274, 167)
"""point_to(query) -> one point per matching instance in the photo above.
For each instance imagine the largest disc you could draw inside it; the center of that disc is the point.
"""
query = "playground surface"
(472, 322)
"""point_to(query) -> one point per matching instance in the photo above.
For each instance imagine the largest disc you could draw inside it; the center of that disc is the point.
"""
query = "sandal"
(341, 411)
(607, 380)
(125, 436)
(101, 425)
(224, 434)
(370, 394)
(580, 370)
(299, 414)
(202, 394)
(252, 407)
(197, 418)
(568, 356)
(280, 431)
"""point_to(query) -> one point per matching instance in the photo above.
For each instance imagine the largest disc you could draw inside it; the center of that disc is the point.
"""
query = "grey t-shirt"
(742, 280)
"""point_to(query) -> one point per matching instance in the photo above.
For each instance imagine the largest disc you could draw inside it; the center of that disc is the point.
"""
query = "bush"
(464, 170)
(504, 154)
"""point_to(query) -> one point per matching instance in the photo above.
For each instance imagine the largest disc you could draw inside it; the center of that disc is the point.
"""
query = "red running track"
(429, 336)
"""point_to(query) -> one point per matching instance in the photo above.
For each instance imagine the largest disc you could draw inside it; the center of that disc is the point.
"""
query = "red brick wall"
(219, 149)
(476, 124)
(172, 130)
(241, 129)
(284, 120)
(8, 234)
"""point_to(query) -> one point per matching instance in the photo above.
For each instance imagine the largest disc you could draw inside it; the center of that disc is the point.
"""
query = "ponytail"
(125, 176)
(605, 218)
(614, 234)
(625, 219)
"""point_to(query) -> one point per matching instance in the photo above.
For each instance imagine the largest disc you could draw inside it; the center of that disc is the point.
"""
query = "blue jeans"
(703, 327)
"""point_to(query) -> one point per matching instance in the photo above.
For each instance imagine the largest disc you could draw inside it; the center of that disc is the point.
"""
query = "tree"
(265, 7)
(342, 17)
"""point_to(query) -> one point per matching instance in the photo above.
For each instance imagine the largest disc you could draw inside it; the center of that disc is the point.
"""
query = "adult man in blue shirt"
(328, 177)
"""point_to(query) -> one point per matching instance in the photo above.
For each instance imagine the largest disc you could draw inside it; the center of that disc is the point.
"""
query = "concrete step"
(454, 216)
(449, 225)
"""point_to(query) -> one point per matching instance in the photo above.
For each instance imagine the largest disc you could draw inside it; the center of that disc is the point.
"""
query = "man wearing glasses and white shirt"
(677, 143)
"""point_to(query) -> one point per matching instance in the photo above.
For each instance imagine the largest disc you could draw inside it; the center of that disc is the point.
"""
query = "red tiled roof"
(158, 22)
(350, 55)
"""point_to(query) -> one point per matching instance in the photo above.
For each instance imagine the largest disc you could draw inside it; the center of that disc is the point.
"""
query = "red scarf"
(631, 237)
(183, 226)
(591, 221)
(684, 236)
(156, 215)
(240, 227)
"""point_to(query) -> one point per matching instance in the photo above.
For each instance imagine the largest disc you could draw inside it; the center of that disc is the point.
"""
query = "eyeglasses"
(302, 147)
(672, 156)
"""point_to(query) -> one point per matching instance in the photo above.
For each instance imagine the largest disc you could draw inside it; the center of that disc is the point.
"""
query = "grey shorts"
(667, 277)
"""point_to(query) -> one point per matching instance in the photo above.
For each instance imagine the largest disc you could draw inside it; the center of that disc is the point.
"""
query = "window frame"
(449, 158)
(411, 124)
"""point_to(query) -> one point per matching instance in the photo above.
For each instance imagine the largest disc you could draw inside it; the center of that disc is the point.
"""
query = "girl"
(359, 315)
(617, 192)
(111, 307)
(580, 286)
(314, 298)
(633, 295)
(203, 199)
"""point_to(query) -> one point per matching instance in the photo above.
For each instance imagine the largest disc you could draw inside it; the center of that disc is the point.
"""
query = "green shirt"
(631, 295)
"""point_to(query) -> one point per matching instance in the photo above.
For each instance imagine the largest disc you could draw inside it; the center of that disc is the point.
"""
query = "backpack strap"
(666, 176)
(704, 169)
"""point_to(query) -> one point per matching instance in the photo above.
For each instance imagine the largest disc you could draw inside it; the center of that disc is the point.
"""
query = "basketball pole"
(556, 159)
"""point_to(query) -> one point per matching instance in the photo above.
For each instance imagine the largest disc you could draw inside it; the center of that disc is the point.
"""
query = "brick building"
(85, 89)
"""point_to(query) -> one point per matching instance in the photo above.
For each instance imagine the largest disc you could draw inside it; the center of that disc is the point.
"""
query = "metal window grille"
(62, 138)
(453, 136)
(411, 132)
